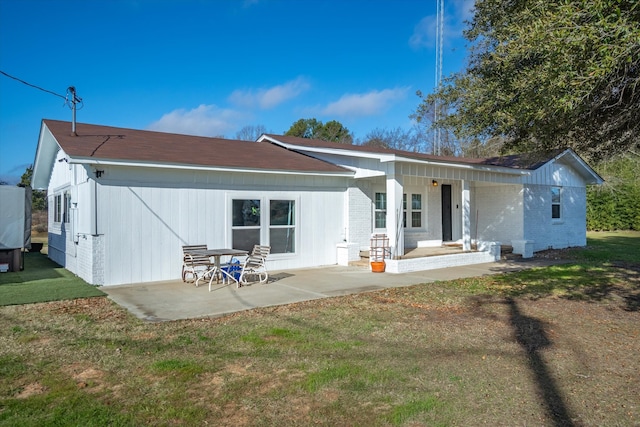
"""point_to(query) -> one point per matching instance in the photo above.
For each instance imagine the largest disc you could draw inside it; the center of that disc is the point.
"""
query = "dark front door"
(446, 213)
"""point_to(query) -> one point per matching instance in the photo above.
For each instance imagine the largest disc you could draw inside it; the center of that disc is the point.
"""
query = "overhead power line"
(34, 86)
(71, 100)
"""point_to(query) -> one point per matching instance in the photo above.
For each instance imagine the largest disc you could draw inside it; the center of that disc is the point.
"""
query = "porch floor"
(447, 249)
(433, 251)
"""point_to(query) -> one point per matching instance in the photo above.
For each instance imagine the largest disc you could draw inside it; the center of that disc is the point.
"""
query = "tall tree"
(315, 129)
(335, 131)
(546, 74)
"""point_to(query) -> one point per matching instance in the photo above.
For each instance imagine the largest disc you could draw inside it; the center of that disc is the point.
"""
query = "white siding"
(359, 214)
(434, 213)
(129, 224)
(60, 242)
(499, 212)
(555, 173)
(545, 232)
(539, 227)
(144, 226)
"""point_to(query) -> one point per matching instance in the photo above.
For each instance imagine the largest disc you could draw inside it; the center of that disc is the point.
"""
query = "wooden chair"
(254, 266)
(195, 266)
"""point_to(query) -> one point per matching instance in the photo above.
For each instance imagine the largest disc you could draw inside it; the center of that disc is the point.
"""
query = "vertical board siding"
(145, 215)
(144, 227)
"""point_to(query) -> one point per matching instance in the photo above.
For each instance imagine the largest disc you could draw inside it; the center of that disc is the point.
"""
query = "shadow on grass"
(584, 282)
(530, 333)
(42, 280)
(36, 267)
(532, 336)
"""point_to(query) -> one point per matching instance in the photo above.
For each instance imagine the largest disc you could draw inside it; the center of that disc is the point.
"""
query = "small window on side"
(556, 202)
(381, 210)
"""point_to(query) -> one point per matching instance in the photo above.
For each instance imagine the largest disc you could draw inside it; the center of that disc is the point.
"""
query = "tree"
(616, 204)
(437, 140)
(545, 74)
(335, 131)
(397, 138)
(251, 133)
(315, 129)
(305, 128)
(38, 197)
(475, 148)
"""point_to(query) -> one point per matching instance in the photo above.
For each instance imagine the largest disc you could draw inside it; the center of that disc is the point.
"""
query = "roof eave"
(590, 175)
(384, 158)
(336, 151)
(46, 152)
(471, 166)
(107, 162)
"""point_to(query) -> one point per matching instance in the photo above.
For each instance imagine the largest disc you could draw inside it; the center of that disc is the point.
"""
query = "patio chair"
(254, 266)
(193, 264)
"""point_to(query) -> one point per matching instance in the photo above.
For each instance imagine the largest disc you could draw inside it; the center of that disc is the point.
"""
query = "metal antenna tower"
(437, 133)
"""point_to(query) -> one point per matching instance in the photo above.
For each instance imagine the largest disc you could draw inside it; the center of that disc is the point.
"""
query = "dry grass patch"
(559, 346)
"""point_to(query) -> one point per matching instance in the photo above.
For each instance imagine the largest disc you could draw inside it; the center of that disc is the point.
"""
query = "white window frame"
(557, 203)
(57, 208)
(380, 210)
(293, 226)
(66, 209)
(409, 210)
(265, 226)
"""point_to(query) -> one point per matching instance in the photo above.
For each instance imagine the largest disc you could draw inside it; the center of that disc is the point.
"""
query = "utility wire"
(34, 86)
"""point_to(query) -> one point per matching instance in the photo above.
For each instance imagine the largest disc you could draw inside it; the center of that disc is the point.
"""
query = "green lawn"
(42, 280)
(545, 347)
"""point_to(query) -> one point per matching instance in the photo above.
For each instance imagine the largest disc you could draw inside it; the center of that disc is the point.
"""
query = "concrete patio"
(174, 300)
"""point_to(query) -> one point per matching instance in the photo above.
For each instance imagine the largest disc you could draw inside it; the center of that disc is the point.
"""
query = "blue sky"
(211, 67)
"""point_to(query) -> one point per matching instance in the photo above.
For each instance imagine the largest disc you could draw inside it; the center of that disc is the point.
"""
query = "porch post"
(466, 216)
(395, 230)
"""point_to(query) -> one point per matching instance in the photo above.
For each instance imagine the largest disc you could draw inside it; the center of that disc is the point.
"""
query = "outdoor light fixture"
(99, 173)
(434, 182)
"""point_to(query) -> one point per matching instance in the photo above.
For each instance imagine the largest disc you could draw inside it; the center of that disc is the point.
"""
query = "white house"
(122, 202)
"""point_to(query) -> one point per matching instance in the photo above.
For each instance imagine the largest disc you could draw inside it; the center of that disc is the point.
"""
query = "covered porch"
(432, 258)
(423, 206)
(428, 211)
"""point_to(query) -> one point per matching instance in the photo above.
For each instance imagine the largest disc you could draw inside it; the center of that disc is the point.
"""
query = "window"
(282, 226)
(279, 227)
(66, 214)
(404, 210)
(381, 210)
(57, 208)
(555, 202)
(245, 224)
(415, 210)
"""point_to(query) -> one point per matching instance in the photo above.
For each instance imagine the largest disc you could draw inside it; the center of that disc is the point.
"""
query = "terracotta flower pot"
(377, 266)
